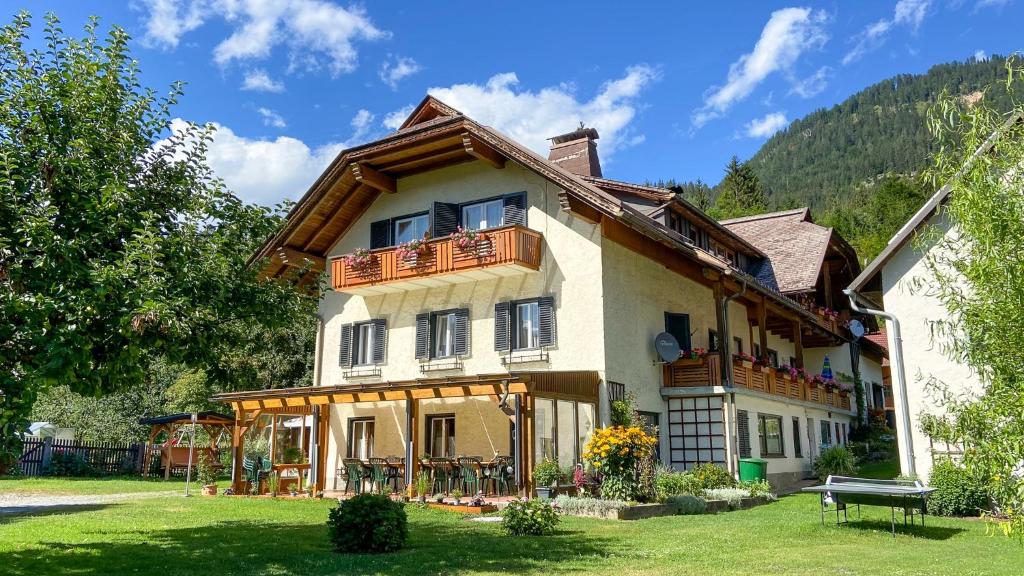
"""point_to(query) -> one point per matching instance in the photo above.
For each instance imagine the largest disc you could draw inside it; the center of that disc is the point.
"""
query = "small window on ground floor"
(696, 431)
(441, 435)
(769, 428)
(797, 444)
(826, 433)
(360, 438)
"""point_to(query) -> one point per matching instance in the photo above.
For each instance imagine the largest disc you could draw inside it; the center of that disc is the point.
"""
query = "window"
(444, 335)
(563, 428)
(675, 222)
(527, 328)
(839, 433)
(360, 438)
(738, 343)
(713, 341)
(696, 431)
(363, 344)
(678, 325)
(792, 362)
(797, 445)
(770, 430)
(489, 214)
(441, 435)
(773, 358)
(649, 422)
(411, 228)
(693, 233)
(826, 433)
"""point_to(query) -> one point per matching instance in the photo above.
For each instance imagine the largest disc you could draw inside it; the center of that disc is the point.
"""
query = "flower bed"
(463, 508)
(618, 510)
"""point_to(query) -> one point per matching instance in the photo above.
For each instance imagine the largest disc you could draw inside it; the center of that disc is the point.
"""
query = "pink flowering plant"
(467, 240)
(412, 250)
(360, 259)
(695, 354)
(746, 357)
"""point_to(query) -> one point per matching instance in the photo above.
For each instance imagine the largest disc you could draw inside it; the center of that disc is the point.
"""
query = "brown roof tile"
(795, 244)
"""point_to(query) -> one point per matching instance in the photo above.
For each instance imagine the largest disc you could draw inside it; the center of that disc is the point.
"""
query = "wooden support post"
(323, 427)
(237, 439)
(798, 343)
(412, 428)
(529, 443)
(723, 346)
(826, 274)
(762, 328)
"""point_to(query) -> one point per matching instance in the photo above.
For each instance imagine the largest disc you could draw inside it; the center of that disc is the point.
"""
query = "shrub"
(759, 489)
(205, 473)
(623, 411)
(835, 461)
(547, 473)
(68, 463)
(958, 492)
(368, 523)
(529, 517)
(710, 476)
(687, 504)
(731, 495)
(622, 457)
(668, 483)
(575, 506)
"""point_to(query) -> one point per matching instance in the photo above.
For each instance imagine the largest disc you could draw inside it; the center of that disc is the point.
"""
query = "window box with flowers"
(414, 252)
(360, 260)
(745, 359)
(845, 388)
(470, 241)
(695, 357)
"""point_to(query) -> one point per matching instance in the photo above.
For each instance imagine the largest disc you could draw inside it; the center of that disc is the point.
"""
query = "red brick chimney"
(577, 152)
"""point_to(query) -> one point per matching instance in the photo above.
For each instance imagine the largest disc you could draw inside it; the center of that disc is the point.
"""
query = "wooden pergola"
(514, 392)
(212, 422)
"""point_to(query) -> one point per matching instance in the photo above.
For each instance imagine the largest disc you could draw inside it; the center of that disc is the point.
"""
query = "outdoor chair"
(255, 471)
(442, 469)
(396, 465)
(382, 474)
(354, 475)
(505, 474)
(470, 474)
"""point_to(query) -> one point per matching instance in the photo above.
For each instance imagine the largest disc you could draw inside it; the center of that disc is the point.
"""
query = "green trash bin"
(753, 469)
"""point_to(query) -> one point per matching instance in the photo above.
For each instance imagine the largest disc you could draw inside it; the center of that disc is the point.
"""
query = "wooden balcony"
(707, 371)
(504, 251)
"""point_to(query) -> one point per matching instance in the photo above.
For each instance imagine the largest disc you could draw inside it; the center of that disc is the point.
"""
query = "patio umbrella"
(826, 369)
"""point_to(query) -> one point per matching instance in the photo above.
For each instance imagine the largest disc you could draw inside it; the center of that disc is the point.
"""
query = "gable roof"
(794, 243)
(921, 217)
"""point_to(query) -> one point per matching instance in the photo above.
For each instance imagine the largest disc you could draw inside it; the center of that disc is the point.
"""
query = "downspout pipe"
(899, 374)
(726, 337)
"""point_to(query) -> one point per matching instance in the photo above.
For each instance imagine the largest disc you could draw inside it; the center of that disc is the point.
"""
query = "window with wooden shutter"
(380, 234)
(379, 338)
(462, 332)
(345, 348)
(515, 209)
(678, 325)
(423, 336)
(743, 430)
(446, 219)
(502, 342)
(798, 450)
(548, 328)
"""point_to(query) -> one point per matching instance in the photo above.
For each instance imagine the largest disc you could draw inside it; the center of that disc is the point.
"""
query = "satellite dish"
(667, 347)
(856, 328)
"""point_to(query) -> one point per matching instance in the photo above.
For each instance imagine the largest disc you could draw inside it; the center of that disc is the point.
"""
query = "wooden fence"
(41, 456)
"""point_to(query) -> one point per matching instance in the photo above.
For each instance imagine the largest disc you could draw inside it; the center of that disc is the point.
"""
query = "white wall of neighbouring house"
(570, 271)
(923, 358)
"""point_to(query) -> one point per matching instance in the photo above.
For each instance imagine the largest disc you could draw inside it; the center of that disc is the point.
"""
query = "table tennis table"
(910, 495)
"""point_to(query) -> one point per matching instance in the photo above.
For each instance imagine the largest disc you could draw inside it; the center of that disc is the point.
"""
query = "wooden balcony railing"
(510, 247)
(707, 371)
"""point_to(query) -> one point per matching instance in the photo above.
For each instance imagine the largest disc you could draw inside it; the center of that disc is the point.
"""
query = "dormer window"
(483, 215)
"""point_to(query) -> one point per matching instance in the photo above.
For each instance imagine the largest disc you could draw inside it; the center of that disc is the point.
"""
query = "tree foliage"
(976, 269)
(740, 192)
(117, 243)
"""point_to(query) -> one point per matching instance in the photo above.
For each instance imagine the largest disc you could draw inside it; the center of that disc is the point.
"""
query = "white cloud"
(393, 70)
(362, 127)
(271, 118)
(395, 119)
(316, 32)
(981, 4)
(980, 56)
(813, 84)
(789, 33)
(909, 13)
(532, 117)
(765, 127)
(258, 80)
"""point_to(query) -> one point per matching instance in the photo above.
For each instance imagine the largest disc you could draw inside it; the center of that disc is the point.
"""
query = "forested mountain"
(880, 130)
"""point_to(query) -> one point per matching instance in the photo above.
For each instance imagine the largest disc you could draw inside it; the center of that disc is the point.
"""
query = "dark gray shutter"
(546, 311)
(379, 337)
(515, 209)
(678, 325)
(446, 218)
(380, 234)
(345, 349)
(462, 332)
(743, 430)
(501, 327)
(423, 336)
(798, 450)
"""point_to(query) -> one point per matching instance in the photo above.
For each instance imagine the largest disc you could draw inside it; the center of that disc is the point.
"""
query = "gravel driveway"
(43, 503)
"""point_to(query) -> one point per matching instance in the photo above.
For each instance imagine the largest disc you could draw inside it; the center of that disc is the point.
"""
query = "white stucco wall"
(923, 359)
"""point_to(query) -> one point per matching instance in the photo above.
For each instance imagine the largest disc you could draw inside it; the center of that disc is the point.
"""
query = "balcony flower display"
(412, 251)
(467, 240)
(744, 357)
(695, 354)
(790, 371)
(845, 387)
(359, 260)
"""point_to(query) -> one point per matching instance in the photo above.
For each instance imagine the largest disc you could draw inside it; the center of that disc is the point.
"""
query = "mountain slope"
(880, 130)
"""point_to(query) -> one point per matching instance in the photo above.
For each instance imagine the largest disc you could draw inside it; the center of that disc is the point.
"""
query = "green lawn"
(79, 486)
(223, 535)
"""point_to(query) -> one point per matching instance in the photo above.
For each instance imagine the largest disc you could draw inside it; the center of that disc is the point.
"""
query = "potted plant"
(359, 260)
(467, 240)
(273, 482)
(547, 475)
(439, 498)
(422, 486)
(413, 252)
(745, 359)
(457, 496)
(206, 476)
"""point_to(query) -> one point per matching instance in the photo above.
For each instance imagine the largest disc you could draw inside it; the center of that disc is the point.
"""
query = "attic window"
(724, 253)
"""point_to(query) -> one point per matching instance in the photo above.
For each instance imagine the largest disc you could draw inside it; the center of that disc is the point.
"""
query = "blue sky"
(674, 89)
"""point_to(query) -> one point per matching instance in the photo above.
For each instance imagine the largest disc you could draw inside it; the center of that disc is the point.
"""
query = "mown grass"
(233, 535)
(80, 486)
